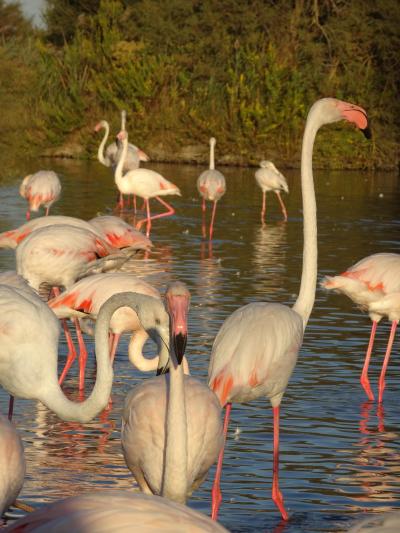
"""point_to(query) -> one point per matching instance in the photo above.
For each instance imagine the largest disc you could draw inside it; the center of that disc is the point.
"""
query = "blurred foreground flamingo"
(373, 284)
(116, 510)
(211, 186)
(269, 178)
(12, 464)
(171, 424)
(145, 183)
(256, 349)
(41, 188)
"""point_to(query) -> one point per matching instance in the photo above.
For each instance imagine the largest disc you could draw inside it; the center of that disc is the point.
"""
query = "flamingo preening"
(256, 349)
(373, 284)
(211, 186)
(269, 178)
(41, 188)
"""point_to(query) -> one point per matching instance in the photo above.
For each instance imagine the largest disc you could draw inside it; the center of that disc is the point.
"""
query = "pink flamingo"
(111, 155)
(88, 295)
(256, 349)
(269, 178)
(374, 285)
(12, 464)
(41, 188)
(171, 425)
(145, 183)
(211, 186)
(102, 510)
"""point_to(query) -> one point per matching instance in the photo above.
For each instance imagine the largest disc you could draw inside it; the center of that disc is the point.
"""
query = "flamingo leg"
(71, 351)
(213, 218)
(82, 354)
(121, 201)
(28, 214)
(149, 218)
(364, 380)
(263, 209)
(10, 407)
(216, 490)
(203, 221)
(284, 212)
(47, 211)
(276, 493)
(386, 360)
(134, 203)
(114, 344)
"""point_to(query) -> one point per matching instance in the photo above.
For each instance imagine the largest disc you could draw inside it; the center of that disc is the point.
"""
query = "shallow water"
(339, 455)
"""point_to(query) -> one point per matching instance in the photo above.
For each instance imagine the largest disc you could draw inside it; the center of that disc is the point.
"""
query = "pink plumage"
(41, 188)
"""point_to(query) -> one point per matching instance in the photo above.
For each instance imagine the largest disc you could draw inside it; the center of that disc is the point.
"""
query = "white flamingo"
(12, 464)
(41, 188)
(171, 425)
(211, 186)
(269, 178)
(373, 283)
(145, 183)
(117, 510)
(256, 349)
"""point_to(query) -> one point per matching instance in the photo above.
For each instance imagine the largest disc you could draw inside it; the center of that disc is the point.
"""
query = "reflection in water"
(340, 455)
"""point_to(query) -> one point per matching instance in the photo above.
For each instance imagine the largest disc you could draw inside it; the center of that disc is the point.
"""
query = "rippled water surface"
(340, 456)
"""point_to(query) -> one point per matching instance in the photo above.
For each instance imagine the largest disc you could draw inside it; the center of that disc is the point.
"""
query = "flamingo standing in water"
(88, 295)
(41, 188)
(211, 186)
(145, 183)
(12, 464)
(269, 178)
(256, 349)
(171, 424)
(374, 285)
(111, 155)
(117, 510)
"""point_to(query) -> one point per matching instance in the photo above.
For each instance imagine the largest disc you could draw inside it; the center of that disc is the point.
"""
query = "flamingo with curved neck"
(256, 349)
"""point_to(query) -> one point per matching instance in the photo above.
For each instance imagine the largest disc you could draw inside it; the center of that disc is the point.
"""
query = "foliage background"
(244, 71)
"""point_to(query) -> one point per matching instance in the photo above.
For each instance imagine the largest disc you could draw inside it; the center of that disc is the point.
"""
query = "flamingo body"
(211, 185)
(41, 188)
(12, 464)
(146, 183)
(119, 233)
(255, 352)
(143, 432)
(117, 510)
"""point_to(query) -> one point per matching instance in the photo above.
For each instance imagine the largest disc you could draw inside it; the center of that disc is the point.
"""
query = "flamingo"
(373, 283)
(145, 183)
(114, 230)
(88, 295)
(29, 333)
(12, 464)
(211, 186)
(116, 510)
(41, 188)
(269, 178)
(171, 424)
(256, 349)
(112, 154)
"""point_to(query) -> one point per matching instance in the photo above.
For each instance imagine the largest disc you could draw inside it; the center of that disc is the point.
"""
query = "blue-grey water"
(340, 455)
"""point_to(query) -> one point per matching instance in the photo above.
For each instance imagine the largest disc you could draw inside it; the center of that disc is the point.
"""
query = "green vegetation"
(245, 71)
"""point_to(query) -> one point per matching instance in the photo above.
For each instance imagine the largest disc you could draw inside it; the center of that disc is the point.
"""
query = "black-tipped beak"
(179, 341)
(162, 370)
(367, 132)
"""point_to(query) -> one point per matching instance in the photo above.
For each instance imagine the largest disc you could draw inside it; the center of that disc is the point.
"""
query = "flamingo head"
(100, 125)
(177, 299)
(328, 110)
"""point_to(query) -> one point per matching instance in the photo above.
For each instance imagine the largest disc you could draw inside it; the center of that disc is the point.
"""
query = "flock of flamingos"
(172, 427)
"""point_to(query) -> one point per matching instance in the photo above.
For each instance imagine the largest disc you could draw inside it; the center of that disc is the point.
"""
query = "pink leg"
(134, 203)
(121, 201)
(284, 212)
(71, 351)
(82, 354)
(203, 218)
(10, 407)
(263, 208)
(364, 374)
(114, 344)
(276, 493)
(386, 360)
(170, 211)
(47, 211)
(212, 219)
(216, 490)
(28, 215)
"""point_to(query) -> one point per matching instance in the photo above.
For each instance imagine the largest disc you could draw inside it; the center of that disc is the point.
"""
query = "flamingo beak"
(178, 307)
